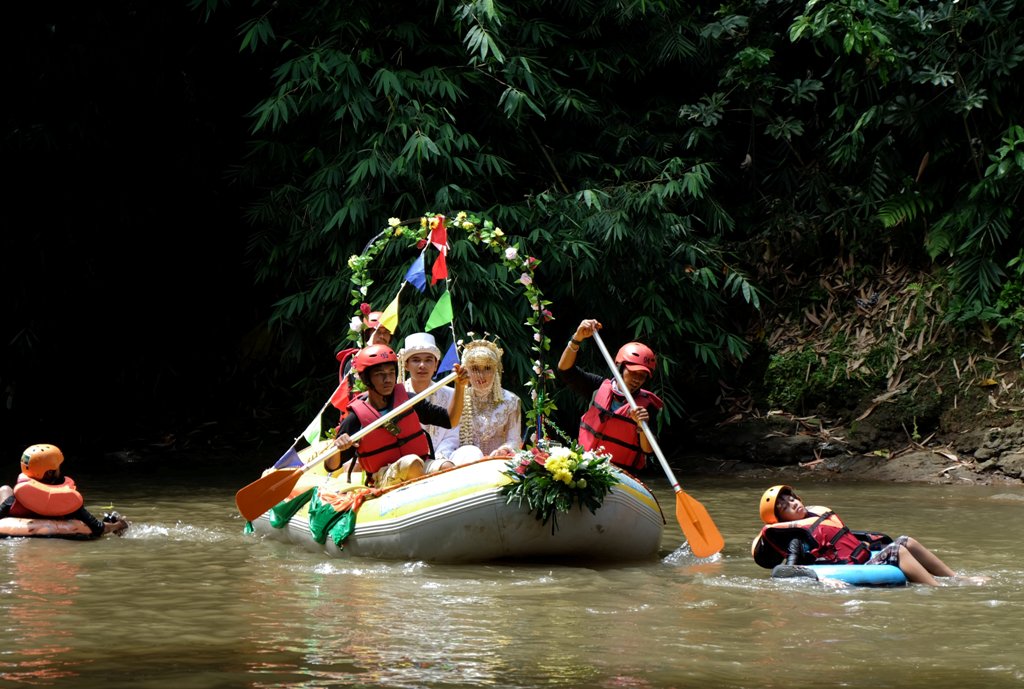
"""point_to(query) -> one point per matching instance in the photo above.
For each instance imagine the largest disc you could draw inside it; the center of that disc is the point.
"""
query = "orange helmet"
(372, 356)
(768, 499)
(38, 459)
(637, 357)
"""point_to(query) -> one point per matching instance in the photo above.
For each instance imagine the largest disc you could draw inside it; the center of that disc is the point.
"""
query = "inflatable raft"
(25, 527)
(460, 515)
(855, 575)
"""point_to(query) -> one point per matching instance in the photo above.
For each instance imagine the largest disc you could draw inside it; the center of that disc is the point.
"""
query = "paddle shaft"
(633, 405)
(377, 423)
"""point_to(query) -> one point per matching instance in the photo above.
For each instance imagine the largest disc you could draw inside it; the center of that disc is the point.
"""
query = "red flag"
(343, 395)
(440, 269)
(439, 235)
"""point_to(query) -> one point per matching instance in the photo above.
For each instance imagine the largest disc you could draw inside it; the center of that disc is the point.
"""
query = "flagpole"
(319, 414)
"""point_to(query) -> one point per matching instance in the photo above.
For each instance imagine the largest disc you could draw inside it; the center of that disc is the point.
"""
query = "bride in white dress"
(492, 416)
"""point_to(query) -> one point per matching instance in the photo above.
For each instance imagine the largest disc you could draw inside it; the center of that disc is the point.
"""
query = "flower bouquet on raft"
(548, 479)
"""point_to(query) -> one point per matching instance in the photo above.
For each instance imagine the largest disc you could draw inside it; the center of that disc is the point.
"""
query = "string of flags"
(441, 314)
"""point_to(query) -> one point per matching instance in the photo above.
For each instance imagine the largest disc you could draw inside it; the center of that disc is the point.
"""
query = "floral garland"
(483, 233)
(550, 479)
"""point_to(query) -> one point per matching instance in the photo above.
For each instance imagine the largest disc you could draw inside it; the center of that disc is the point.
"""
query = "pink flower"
(547, 315)
(526, 279)
(421, 243)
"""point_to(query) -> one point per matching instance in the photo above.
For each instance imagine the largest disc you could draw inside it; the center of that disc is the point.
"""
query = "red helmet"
(372, 356)
(637, 357)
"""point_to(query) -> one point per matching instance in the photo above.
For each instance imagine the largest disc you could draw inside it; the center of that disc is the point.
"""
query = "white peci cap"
(416, 343)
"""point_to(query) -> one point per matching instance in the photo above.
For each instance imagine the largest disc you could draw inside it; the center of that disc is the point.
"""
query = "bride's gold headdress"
(477, 349)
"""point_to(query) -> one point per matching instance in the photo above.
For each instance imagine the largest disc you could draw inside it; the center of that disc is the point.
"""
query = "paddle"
(697, 525)
(262, 494)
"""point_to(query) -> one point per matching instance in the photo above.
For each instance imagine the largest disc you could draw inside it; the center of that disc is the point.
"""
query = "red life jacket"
(607, 422)
(34, 498)
(824, 536)
(381, 446)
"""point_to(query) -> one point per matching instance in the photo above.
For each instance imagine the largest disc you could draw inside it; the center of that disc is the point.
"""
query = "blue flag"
(288, 459)
(451, 358)
(417, 274)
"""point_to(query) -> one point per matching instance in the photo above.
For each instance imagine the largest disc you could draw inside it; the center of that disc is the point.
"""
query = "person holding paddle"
(611, 421)
(395, 451)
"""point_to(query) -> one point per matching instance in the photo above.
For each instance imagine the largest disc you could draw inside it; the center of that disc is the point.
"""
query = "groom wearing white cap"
(417, 363)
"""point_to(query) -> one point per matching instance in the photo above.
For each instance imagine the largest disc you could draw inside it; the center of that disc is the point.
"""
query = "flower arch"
(429, 233)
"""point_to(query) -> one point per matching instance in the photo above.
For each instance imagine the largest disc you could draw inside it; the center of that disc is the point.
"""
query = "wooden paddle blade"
(262, 494)
(698, 526)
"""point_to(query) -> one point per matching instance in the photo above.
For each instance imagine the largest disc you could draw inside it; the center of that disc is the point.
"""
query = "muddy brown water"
(187, 600)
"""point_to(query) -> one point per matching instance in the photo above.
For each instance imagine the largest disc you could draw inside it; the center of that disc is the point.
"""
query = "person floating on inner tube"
(823, 538)
(609, 421)
(396, 451)
(42, 492)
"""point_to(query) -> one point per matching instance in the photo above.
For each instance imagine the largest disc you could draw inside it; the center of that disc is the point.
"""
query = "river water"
(187, 600)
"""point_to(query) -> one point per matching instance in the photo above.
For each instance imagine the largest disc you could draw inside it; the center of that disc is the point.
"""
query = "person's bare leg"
(914, 570)
(929, 560)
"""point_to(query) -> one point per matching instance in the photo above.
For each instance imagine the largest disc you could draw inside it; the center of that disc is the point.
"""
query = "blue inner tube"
(856, 575)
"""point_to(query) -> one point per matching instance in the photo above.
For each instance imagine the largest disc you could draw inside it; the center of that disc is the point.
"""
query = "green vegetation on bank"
(687, 173)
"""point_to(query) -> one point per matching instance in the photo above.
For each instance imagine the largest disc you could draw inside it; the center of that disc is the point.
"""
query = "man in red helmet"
(609, 422)
(396, 451)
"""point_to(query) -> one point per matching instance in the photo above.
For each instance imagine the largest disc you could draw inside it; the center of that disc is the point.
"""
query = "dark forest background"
(125, 287)
(184, 183)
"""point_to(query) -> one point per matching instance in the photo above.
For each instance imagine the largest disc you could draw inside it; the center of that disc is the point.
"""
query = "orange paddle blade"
(262, 494)
(698, 527)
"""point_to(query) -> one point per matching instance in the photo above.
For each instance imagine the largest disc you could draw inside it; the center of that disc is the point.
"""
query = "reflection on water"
(187, 600)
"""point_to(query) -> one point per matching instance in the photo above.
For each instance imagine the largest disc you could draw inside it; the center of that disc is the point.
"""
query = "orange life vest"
(386, 444)
(823, 535)
(607, 422)
(34, 498)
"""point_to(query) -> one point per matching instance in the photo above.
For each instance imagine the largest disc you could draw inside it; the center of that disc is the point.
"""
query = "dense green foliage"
(653, 155)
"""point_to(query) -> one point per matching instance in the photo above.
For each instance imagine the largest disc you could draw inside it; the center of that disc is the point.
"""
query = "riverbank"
(784, 448)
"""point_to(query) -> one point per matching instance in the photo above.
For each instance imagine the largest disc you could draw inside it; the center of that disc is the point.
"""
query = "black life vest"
(607, 423)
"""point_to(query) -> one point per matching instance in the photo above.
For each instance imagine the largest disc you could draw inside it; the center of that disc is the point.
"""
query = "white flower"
(560, 451)
(526, 279)
(356, 325)
(394, 222)
(536, 337)
(362, 290)
(511, 253)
